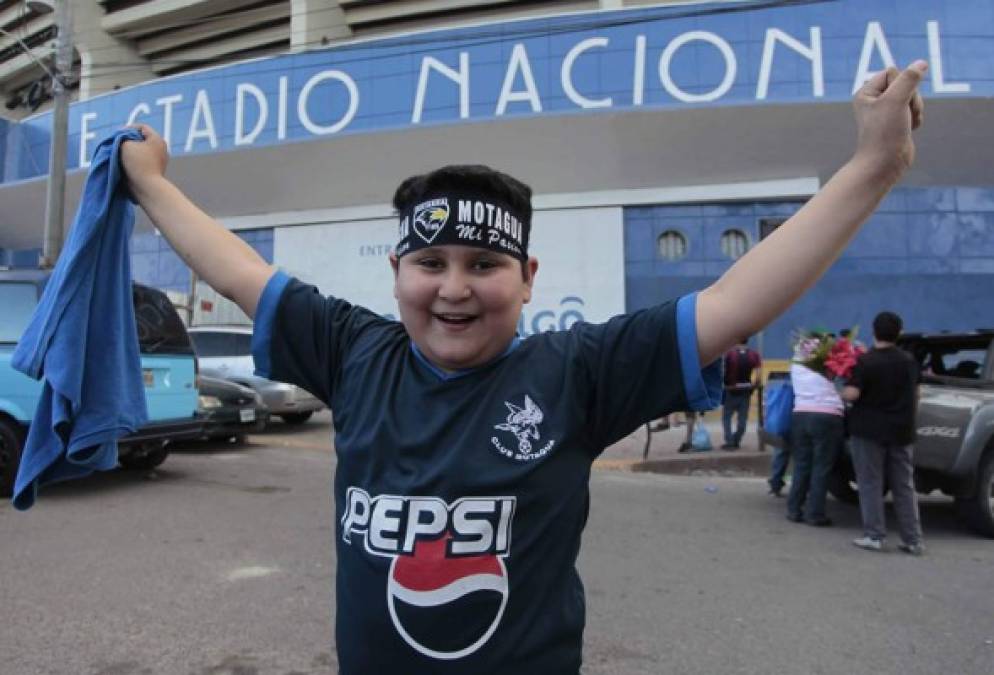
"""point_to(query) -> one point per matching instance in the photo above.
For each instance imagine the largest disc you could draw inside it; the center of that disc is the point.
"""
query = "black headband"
(464, 220)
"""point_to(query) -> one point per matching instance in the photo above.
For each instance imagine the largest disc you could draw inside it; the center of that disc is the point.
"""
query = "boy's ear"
(532, 265)
(395, 265)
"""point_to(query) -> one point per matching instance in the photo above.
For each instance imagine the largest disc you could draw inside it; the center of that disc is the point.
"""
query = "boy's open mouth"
(455, 319)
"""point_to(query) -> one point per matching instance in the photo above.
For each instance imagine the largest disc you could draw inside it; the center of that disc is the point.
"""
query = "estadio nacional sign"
(673, 56)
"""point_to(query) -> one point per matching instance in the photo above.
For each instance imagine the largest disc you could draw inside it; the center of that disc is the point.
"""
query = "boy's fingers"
(145, 129)
(906, 83)
(877, 84)
(892, 75)
(917, 110)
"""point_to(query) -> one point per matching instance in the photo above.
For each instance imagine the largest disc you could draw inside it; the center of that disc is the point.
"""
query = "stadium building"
(662, 140)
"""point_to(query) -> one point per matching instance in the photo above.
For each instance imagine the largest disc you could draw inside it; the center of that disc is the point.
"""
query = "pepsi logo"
(446, 607)
(447, 584)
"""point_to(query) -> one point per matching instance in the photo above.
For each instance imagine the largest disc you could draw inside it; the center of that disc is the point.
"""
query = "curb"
(752, 464)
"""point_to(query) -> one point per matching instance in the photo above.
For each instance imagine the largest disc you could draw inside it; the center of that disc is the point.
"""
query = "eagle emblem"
(430, 218)
(523, 423)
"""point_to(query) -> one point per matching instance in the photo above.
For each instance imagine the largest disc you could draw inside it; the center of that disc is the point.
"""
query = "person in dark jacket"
(741, 365)
(884, 390)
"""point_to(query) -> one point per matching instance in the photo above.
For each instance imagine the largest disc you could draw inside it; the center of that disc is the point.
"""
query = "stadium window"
(672, 245)
(768, 225)
(734, 244)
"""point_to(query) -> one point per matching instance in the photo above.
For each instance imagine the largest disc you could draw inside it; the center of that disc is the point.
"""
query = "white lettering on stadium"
(329, 100)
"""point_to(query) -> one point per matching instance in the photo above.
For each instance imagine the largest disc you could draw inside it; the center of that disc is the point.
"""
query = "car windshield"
(221, 343)
(965, 359)
(160, 330)
(18, 300)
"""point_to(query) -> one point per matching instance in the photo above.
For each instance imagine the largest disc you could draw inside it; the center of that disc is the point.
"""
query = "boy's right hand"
(144, 161)
(888, 108)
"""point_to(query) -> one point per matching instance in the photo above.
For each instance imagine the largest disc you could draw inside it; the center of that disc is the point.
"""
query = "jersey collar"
(455, 374)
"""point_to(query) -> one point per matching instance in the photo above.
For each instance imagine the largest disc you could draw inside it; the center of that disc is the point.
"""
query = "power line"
(30, 53)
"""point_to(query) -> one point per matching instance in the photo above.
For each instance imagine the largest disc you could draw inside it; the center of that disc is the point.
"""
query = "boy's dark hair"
(469, 178)
(473, 178)
(887, 327)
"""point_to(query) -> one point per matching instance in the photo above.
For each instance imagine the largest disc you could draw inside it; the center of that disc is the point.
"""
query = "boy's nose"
(454, 286)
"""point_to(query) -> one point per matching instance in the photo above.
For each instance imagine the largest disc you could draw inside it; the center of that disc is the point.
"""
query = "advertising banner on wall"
(580, 254)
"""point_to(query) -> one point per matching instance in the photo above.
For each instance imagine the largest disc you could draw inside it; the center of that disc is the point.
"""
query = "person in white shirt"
(816, 433)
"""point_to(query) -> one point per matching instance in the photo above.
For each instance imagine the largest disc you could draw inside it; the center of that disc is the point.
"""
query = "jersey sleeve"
(301, 337)
(644, 365)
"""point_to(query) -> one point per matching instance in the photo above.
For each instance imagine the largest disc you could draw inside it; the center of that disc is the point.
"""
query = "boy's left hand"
(888, 108)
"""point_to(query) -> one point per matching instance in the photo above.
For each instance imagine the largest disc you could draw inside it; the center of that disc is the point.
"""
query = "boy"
(464, 453)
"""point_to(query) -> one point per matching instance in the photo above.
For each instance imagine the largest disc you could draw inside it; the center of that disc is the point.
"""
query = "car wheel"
(10, 455)
(842, 482)
(296, 418)
(979, 509)
(144, 456)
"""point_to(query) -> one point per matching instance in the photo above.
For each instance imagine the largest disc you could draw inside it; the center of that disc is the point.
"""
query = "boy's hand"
(146, 160)
(888, 108)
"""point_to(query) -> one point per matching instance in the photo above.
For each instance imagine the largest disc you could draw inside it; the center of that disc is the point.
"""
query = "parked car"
(226, 352)
(168, 369)
(229, 410)
(954, 440)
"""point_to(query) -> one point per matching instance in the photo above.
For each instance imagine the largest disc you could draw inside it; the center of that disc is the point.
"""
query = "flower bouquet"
(826, 354)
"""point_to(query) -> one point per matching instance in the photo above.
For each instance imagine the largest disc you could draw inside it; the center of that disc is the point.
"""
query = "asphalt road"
(221, 562)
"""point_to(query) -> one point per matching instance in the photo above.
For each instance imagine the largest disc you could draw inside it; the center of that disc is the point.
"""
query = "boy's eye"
(484, 264)
(429, 263)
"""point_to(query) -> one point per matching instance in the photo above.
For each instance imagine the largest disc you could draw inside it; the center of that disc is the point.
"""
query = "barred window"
(734, 244)
(672, 245)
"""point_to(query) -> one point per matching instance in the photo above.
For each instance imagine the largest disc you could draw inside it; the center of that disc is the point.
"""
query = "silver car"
(226, 352)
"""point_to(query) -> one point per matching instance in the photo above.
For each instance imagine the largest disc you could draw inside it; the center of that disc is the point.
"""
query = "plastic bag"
(779, 403)
(700, 440)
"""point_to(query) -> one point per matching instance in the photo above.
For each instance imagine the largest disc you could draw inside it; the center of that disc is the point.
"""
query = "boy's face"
(461, 304)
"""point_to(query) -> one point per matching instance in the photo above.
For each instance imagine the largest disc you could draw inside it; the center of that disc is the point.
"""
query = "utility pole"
(56, 195)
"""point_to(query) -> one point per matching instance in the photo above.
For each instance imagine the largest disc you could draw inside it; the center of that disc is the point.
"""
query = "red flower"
(842, 358)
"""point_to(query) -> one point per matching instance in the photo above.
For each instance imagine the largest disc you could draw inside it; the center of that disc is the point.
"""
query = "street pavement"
(221, 563)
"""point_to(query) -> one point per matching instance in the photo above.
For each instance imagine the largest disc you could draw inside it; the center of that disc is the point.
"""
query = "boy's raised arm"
(770, 277)
(220, 258)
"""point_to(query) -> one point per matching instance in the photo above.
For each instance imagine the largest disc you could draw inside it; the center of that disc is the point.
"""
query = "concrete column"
(316, 22)
(106, 62)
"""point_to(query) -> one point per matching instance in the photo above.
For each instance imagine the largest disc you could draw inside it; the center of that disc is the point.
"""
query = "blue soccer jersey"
(461, 497)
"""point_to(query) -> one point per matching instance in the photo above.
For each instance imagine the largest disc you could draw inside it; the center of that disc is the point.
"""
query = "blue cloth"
(82, 339)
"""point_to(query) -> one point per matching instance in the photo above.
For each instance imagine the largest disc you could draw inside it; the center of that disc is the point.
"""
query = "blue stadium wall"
(154, 263)
(927, 253)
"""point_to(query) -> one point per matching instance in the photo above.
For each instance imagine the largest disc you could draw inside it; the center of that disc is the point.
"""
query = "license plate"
(148, 377)
(247, 415)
